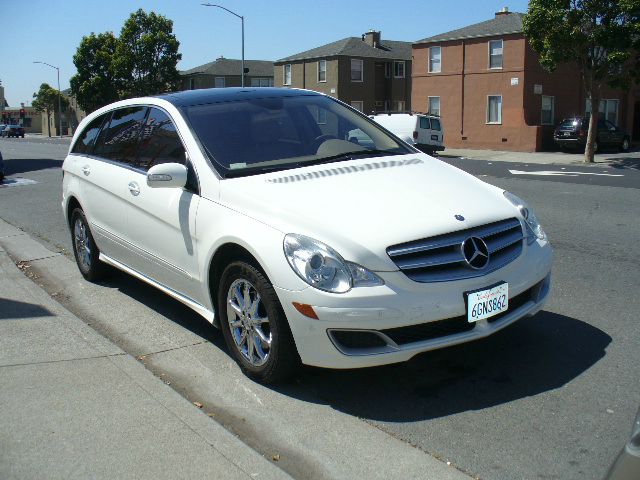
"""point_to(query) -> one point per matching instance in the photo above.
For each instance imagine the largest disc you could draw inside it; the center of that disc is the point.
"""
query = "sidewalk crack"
(45, 362)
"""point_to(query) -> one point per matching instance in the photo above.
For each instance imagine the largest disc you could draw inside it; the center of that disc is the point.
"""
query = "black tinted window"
(159, 142)
(435, 124)
(119, 140)
(85, 141)
(424, 122)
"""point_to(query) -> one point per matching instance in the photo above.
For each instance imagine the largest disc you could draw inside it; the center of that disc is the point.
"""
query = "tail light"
(415, 135)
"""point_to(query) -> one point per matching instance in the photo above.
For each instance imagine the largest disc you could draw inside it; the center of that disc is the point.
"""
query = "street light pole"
(59, 98)
(242, 20)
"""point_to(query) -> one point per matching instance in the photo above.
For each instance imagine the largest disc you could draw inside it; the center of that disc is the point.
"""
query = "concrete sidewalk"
(74, 405)
(569, 158)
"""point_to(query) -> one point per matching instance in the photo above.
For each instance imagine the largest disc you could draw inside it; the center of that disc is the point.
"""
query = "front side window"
(86, 140)
(119, 140)
(547, 113)
(434, 106)
(398, 69)
(219, 82)
(495, 54)
(286, 74)
(159, 142)
(435, 57)
(356, 70)
(494, 109)
(254, 135)
(322, 70)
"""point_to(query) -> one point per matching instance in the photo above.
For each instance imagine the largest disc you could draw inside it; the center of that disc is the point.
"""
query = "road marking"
(16, 182)
(552, 173)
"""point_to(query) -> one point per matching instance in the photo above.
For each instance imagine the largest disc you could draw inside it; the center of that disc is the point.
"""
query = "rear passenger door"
(104, 189)
(162, 220)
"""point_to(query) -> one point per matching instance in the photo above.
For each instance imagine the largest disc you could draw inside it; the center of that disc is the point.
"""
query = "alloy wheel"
(248, 322)
(82, 243)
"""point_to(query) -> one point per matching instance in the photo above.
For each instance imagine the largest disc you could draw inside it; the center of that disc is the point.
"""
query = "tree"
(596, 35)
(95, 84)
(46, 100)
(147, 55)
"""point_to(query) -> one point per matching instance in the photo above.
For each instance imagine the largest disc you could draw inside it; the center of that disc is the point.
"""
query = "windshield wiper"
(348, 156)
(244, 172)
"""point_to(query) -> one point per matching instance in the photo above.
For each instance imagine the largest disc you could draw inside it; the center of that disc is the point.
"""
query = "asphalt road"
(551, 397)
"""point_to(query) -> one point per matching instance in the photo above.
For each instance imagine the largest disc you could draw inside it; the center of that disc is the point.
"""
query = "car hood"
(361, 207)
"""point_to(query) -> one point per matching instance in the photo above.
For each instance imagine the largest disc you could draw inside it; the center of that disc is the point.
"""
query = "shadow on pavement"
(623, 163)
(15, 166)
(13, 309)
(532, 356)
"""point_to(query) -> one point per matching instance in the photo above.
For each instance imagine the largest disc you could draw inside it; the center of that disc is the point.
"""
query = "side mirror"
(167, 175)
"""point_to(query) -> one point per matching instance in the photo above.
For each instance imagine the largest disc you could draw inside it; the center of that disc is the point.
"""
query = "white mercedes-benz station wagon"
(301, 228)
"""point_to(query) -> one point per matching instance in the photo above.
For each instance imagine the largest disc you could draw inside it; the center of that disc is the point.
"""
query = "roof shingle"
(229, 66)
(355, 47)
(501, 25)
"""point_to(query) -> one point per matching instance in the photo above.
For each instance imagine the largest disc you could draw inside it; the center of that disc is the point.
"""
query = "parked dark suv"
(13, 131)
(572, 133)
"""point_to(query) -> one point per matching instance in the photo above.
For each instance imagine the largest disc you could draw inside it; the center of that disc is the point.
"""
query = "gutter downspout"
(462, 89)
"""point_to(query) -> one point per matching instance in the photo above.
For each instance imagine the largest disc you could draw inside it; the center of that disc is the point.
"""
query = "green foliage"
(95, 83)
(596, 35)
(141, 61)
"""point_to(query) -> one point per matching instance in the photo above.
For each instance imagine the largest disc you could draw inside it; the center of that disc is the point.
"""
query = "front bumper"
(392, 323)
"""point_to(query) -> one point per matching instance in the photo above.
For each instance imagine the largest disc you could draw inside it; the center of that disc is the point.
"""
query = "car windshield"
(275, 133)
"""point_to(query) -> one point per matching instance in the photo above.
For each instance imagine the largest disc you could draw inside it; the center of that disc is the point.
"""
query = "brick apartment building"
(488, 86)
(367, 72)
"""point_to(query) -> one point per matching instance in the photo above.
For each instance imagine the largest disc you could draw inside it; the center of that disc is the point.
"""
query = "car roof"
(229, 94)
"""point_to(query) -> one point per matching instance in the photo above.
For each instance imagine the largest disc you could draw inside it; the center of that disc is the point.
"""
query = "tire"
(85, 249)
(254, 325)
(624, 146)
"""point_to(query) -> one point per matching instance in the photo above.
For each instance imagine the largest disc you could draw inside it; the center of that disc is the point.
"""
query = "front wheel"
(85, 249)
(254, 325)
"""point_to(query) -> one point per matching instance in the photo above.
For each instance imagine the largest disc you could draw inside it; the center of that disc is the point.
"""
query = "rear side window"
(435, 124)
(119, 140)
(424, 123)
(87, 138)
(160, 142)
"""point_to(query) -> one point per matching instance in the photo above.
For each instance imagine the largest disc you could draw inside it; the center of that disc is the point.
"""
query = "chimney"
(372, 38)
(503, 11)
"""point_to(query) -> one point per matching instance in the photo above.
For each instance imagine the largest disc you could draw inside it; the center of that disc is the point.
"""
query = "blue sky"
(51, 30)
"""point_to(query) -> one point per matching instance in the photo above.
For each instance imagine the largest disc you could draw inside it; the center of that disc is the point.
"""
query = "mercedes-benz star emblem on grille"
(475, 252)
(460, 217)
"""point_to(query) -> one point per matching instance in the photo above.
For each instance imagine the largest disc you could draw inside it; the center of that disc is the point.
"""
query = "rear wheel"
(254, 325)
(85, 249)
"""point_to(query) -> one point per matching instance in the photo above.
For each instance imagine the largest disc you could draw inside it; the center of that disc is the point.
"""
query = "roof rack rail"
(409, 112)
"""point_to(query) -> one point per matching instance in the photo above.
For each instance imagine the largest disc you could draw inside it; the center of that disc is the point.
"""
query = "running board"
(192, 304)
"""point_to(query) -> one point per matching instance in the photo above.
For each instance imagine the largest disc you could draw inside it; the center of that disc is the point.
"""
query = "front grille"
(440, 258)
(450, 326)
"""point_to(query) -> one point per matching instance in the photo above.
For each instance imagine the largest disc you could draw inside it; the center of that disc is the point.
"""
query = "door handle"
(134, 189)
(86, 170)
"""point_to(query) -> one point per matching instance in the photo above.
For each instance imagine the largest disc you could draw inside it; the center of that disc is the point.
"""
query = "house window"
(387, 70)
(398, 69)
(398, 105)
(608, 109)
(495, 54)
(192, 84)
(434, 106)
(547, 113)
(494, 109)
(322, 70)
(261, 82)
(356, 70)
(286, 74)
(435, 57)
(358, 105)
(219, 82)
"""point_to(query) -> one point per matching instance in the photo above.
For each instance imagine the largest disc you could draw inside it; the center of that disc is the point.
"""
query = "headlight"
(322, 267)
(530, 218)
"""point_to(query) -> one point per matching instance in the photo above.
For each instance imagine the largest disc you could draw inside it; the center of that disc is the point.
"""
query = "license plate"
(566, 134)
(487, 303)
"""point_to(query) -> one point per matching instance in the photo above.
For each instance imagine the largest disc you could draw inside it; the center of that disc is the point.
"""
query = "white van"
(420, 130)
